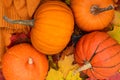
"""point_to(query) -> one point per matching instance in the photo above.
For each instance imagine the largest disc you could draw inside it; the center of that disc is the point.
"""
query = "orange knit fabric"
(17, 10)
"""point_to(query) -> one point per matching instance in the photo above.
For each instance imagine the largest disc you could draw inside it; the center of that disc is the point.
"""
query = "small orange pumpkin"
(53, 27)
(98, 55)
(23, 62)
(92, 15)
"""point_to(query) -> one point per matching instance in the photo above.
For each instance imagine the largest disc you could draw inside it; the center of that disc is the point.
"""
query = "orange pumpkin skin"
(15, 65)
(101, 51)
(87, 21)
(53, 27)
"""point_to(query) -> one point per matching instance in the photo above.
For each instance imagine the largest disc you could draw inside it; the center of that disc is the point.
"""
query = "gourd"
(98, 55)
(53, 27)
(23, 62)
(92, 15)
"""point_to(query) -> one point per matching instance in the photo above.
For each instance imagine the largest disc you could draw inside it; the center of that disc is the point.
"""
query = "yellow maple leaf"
(65, 71)
(67, 2)
(116, 19)
(66, 64)
(115, 33)
(54, 75)
(70, 76)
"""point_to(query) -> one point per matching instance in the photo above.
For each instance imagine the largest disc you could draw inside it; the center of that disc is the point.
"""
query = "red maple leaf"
(17, 38)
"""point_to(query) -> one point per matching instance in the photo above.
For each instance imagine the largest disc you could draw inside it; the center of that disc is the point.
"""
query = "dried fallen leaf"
(70, 76)
(115, 33)
(66, 64)
(116, 20)
(67, 2)
(1, 75)
(114, 77)
(54, 75)
(69, 50)
(19, 38)
(65, 71)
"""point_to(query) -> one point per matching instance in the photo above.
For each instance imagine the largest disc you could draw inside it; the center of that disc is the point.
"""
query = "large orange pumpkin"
(92, 15)
(23, 62)
(53, 27)
(98, 55)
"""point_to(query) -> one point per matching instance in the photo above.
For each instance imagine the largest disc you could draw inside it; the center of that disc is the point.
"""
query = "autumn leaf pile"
(62, 65)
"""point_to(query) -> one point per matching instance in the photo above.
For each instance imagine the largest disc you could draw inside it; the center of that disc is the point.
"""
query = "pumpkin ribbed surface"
(53, 27)
(23, 62)
(86, 20)
(101, 51)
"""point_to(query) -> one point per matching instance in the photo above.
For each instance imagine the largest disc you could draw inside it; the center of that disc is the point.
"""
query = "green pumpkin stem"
(95, 9)
(23, 22)
(86, 66)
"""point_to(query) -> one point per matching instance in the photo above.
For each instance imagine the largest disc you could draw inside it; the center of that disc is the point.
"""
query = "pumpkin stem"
(87, 65)
(95, 9)
(30, 60)
(23, 22)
